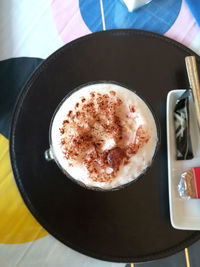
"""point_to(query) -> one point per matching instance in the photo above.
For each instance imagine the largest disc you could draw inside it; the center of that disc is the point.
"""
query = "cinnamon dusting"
(84, 136)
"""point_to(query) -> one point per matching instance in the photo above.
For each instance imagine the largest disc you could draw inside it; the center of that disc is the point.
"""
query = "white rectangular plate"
(184, 214)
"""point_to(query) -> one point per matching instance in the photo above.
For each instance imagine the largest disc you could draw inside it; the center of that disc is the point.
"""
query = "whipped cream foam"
(104, 135)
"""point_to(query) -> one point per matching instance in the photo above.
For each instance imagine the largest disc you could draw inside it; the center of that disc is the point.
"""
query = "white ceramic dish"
(184, 214)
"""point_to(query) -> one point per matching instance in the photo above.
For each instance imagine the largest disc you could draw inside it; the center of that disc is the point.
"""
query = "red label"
(196, 172)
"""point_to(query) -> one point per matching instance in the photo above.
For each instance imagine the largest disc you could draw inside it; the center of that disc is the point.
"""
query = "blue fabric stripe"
(194, 6)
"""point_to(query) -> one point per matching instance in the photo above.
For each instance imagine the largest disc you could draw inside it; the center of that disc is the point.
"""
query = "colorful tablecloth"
(29, 32)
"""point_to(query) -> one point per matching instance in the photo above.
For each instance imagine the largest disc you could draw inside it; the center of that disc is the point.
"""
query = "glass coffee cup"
(103, 136)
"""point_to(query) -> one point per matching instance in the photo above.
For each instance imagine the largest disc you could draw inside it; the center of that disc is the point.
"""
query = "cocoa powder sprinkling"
(132, 109)
(70, 113)
(85, 133)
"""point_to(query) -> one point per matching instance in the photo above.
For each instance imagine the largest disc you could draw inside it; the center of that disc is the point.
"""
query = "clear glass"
(50, 154)
(135, 4)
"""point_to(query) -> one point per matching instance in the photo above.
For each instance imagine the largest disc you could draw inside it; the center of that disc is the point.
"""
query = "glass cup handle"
(48, 155)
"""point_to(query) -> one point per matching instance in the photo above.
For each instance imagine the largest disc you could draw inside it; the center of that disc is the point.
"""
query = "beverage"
(103, 135)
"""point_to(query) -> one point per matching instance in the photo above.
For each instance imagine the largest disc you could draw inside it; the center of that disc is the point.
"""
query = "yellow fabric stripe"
(17, 225)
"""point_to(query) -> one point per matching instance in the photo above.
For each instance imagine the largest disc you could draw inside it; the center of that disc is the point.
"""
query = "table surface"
(29, 32)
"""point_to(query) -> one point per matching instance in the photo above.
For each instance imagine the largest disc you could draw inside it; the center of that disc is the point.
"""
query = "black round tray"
(131, 224)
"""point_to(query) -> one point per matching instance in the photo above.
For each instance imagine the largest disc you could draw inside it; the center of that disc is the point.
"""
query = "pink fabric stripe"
(68, 19)
(185, 27)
